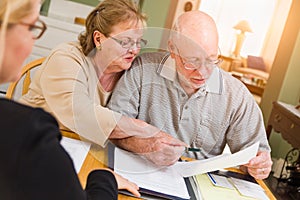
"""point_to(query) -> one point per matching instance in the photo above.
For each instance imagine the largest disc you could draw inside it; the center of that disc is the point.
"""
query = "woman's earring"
(99, 47)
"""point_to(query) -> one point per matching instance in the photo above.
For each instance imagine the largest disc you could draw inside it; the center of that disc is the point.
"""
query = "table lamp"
(242, 27)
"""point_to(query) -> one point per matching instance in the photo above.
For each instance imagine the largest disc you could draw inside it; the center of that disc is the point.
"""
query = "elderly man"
(184, 93)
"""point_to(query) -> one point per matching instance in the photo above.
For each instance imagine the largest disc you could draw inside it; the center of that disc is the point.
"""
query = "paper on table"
(220, 181)
(192, 168)
(209, 191)
(146, 175)
(169, 180)
(77, 150)
(249, 189)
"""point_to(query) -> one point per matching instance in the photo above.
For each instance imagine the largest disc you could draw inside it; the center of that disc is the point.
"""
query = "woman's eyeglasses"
(37, 29)
(127, 42)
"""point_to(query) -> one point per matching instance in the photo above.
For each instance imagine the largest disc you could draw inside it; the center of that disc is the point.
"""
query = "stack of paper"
(163, 180)
(230, 186)
(170, 180)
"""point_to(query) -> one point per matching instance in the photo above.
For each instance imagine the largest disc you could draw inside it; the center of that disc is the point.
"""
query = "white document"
(165, 180)
(220, 181)
(192, 168)
(249, 189)
(169, 180)
(77, 150)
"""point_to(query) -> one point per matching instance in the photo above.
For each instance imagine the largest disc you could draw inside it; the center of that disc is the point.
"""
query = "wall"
(161, 15)
(284, 83)
(87, 2)
(156, 11)
(274, 33)
(92, 3)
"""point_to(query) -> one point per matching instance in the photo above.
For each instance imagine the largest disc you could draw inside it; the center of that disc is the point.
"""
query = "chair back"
(21, 86)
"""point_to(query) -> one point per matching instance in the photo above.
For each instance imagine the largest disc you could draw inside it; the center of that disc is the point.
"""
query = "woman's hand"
(126, 184)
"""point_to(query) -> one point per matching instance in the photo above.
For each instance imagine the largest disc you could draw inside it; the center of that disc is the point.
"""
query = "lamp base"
(238, 45)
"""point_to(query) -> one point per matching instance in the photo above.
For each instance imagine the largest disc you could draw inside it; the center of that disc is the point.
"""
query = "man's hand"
(260, 166)
(162, 149)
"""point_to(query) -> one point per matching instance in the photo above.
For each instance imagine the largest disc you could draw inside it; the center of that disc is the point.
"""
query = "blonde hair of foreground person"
(11, 12)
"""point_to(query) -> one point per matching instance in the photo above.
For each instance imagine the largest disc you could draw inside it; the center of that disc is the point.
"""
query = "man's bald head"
(199, 28)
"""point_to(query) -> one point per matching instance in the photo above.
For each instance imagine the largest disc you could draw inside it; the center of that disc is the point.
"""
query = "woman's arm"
(70, 89)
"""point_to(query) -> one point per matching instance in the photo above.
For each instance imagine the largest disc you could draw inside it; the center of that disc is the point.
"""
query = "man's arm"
(248, 128)
(161, 149)
(127, 127)
(137, 136)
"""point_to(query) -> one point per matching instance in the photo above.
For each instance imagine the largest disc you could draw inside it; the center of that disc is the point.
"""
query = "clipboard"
(232, 174)
(150, 194)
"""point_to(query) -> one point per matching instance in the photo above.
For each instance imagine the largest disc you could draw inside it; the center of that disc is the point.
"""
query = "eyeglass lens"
(127, 43)
(197, 63)
(38, 29)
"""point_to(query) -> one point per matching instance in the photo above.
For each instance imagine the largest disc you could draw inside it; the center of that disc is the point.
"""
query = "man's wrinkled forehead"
(188, 45)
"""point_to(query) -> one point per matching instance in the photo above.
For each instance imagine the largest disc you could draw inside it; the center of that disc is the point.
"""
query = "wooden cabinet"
(285, 119)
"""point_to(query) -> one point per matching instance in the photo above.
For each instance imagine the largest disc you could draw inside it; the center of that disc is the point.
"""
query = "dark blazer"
(33, 164)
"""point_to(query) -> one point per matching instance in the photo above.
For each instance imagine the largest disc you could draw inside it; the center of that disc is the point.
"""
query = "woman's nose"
(134, 50)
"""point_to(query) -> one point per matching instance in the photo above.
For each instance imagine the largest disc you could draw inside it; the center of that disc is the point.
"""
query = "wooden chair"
(20, 87)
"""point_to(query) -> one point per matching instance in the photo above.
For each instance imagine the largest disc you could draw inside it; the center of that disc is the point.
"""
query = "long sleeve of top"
(35, 166)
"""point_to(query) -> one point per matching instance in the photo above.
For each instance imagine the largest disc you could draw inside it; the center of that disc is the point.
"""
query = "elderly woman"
(33, 163)
(75, 81)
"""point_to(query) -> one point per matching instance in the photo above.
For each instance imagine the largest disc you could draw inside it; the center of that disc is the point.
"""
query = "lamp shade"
(243, 26)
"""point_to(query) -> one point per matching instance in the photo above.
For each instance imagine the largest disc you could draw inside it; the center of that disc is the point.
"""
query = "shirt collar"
(167, 70)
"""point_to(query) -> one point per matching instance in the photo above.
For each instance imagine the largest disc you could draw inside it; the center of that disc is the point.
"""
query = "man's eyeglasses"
(127, 42)
(196, 63)
(37, 29)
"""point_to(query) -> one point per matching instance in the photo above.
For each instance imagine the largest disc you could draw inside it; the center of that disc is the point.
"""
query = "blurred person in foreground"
(33, 163)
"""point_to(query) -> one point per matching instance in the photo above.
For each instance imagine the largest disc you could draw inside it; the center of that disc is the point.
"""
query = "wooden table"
(253, 87)
(285, 119)
(97, 159)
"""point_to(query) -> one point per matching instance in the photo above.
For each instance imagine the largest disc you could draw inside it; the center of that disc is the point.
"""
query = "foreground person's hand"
(126, 184)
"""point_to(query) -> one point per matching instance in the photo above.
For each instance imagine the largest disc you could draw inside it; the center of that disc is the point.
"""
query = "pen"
(211, 178)
(192, 149)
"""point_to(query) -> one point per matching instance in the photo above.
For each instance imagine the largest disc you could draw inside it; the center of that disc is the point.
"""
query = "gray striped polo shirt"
(221, 112)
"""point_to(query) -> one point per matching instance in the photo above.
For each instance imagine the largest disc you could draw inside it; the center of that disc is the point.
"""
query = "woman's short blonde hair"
(106, 15)
(12, 11)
